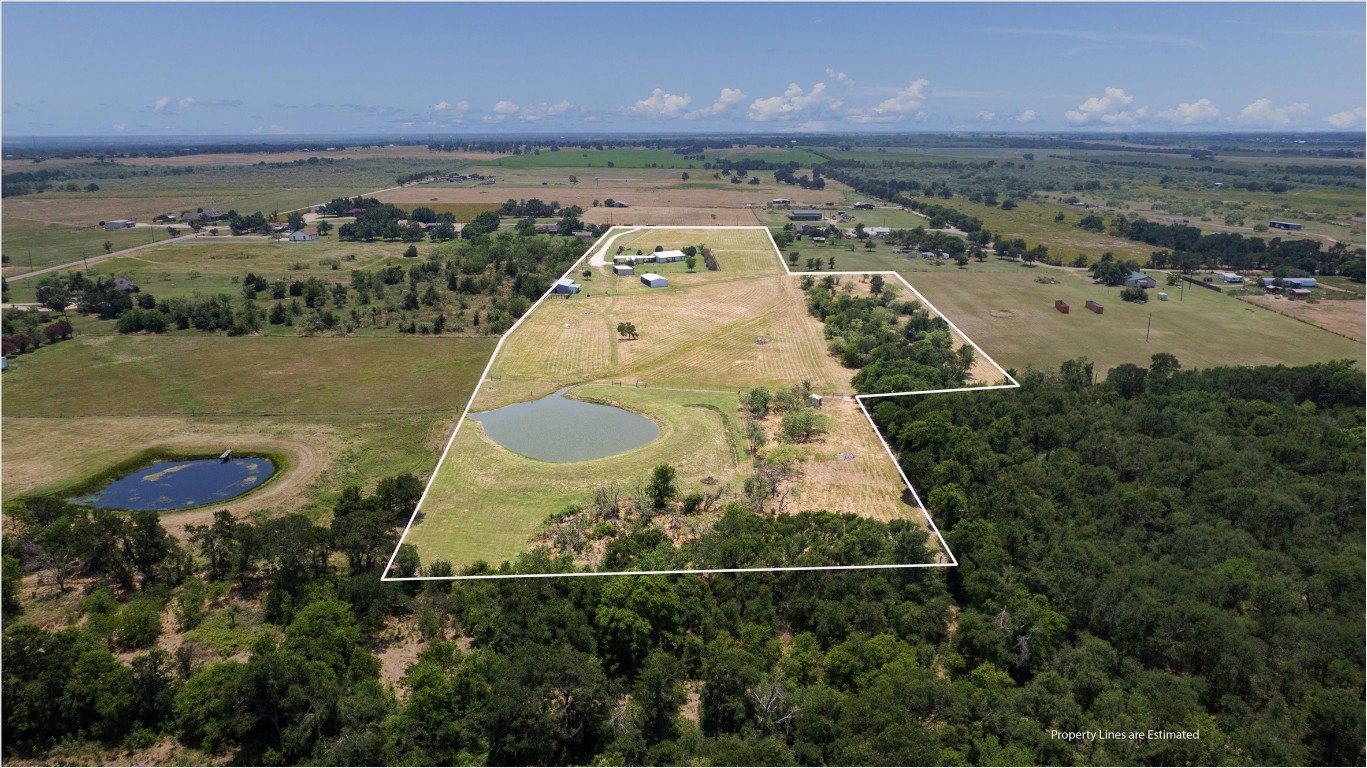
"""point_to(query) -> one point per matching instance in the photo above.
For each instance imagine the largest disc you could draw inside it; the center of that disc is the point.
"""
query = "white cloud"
(186, 102)
(1350, 119)
(120, 126)
(728, 99)
(1125, 117)
(659, 105)
(447, 108)
(987, 117)
(161, 103)
(840, 77)
(1028, 116)
(792, 104)
(1261, 112)
(907, 101)
(1103, 107)
(529, 113)
(1201, 111)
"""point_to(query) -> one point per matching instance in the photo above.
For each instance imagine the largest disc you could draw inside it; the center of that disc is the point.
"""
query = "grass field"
(697, 345)
(33, 244)
(210, 265)
(1013, 318)
(649, 158)
(343, 411)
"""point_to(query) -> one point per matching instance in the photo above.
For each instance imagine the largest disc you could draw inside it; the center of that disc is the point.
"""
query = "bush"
(139, 624)
(1134, 294)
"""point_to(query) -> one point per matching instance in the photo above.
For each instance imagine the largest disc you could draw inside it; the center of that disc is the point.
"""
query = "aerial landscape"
(724, 407)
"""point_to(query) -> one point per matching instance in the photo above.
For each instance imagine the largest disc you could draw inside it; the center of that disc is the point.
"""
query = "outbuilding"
(805, 216)
(623, 270)
(1140, 280)
(664, 257)
(306, 235)
(654, 281)
(814, 399)
(1287, 225)
(119, 224)
(1229, 277)
(1297, 293)
(566, 286)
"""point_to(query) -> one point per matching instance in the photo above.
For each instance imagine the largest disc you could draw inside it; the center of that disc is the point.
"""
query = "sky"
(279, 69)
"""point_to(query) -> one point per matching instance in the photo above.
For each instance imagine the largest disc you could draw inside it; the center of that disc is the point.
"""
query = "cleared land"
(697, 350)
(343, 411)
(1014, 317)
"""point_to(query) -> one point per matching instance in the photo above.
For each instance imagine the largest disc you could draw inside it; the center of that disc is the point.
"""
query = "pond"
(168, 485)
(556, 428)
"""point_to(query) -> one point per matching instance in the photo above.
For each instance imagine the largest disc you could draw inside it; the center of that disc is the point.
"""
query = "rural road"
(600, 257)
(101, 257)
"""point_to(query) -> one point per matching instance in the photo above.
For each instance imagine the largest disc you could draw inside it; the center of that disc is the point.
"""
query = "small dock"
(226, 456)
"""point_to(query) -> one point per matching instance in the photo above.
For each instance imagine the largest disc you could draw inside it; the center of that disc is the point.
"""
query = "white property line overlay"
(602, 245)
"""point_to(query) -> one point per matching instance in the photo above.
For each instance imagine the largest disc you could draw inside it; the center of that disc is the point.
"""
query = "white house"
(305, 235)
(662, 257)
(653, 280)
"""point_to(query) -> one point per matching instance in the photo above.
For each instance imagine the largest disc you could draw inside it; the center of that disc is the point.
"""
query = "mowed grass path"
(486, 502)
(1203, 330)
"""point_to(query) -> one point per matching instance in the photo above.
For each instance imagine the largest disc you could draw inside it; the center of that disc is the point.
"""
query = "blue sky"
(337, 68)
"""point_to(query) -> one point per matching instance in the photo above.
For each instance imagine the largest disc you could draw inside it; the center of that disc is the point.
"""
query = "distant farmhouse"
(1140, 280)
(566, 286)
(1287, 225)
(119, 224)
(663, 257)
(1291, 282)
(304, 235)
(1229, 277)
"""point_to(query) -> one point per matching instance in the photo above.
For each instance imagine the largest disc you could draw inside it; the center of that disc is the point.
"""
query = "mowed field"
(342, 411)
(697, 346)
(1013, 318)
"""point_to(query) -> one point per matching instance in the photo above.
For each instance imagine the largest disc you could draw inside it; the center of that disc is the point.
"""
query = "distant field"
(648, 158)
(1013, 317)
(317, 400)
(698, 344)
(216, 265)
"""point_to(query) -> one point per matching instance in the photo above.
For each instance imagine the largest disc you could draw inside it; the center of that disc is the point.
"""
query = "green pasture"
(1202, 328)
(647, 158)
(34, 245)
(487, 503)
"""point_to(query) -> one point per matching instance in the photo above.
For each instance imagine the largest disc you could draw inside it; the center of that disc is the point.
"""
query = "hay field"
(1013, 318)
(697, 345)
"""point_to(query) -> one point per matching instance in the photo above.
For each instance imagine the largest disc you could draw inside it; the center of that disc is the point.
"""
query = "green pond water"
(168, 485)
(557, 428)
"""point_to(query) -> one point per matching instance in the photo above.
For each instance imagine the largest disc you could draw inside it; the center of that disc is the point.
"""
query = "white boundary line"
(605, 242)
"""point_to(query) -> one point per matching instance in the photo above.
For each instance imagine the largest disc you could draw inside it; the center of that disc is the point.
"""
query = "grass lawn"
(1013, 318)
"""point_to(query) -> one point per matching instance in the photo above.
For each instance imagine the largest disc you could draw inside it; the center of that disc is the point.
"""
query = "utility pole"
(1147, 328)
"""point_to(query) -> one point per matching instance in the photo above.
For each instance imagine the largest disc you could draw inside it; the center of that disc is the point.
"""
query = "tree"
(626, 330)
(1134, 293)
(962, 259)
(876, 284)
(793, 257)
(108, 246)
(685, 176)
(757, 401)
(574, 179)
(295, 220)
(411, 252)
(801, 426)
(324, 227)
(690, 262)
(662, 489)
(830, 264)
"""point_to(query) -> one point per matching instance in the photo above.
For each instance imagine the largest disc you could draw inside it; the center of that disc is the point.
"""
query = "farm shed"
(653, 280)
(1162, 296)
(1297, 293)
(667, 256)
(814, 399)
(1140, 280)
(780, 201)
(861, 205)
(1061, 305)
(878, 232)
(1300, 282)
(1095, 307)
(805, 216)
(1287, 225)
(1229, 277)
(119, 224)
(623, 269)
(566, 286)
